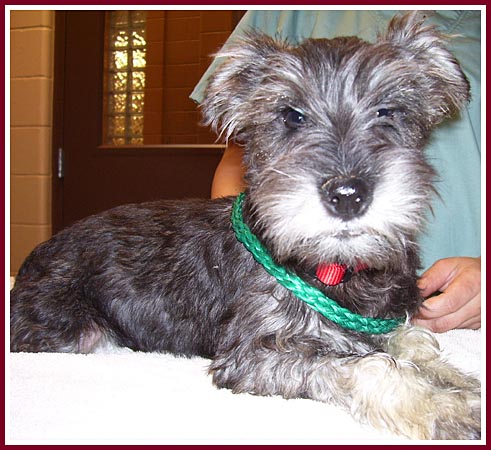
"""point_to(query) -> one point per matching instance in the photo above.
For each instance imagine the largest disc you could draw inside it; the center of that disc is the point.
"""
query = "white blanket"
(120, 396)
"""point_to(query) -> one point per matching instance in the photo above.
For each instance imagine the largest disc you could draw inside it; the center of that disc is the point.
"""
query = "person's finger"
(472, 324)
(465, 286)
(437, 277)
(454, 299)
(469, 316)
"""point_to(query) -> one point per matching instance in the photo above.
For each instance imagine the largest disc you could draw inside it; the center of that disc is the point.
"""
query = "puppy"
(302, 286)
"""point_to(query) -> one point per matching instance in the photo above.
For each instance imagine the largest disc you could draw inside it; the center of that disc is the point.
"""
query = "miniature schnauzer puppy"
(308, 291)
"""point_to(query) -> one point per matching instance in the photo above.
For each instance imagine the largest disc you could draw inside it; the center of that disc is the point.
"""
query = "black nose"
(346, 198)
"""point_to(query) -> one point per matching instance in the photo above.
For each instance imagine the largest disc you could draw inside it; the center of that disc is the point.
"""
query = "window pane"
(118, 82)
(137, 103)
(138, 81)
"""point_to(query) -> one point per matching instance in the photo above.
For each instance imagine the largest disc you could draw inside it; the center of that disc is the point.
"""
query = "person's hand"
(459, 304)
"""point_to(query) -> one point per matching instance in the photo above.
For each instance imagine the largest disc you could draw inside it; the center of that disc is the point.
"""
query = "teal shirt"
(454, 228)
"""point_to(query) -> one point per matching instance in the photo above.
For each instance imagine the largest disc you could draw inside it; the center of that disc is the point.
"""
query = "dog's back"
(79, 288)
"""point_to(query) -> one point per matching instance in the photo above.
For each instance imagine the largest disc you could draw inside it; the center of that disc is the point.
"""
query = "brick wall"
(179, 47)
(31, 87)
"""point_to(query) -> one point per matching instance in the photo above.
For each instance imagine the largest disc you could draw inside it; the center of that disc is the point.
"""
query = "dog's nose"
(346, 198)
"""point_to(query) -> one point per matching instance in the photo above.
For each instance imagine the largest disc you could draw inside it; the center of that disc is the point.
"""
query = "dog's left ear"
(243, 68)
(444, 79)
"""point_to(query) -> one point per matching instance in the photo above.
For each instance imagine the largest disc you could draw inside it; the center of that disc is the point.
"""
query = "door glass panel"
(125, 77)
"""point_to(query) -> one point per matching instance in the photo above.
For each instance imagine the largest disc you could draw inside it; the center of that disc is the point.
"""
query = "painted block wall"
(31, 87)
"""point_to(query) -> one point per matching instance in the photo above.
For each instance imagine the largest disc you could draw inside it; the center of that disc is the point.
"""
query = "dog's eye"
(385, 112)
(293, 118)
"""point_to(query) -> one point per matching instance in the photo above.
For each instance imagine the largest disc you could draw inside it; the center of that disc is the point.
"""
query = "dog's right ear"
(445, 83)
(225, 105)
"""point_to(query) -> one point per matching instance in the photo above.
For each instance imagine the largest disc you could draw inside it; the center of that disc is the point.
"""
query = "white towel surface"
(120, 396)
(124, 396)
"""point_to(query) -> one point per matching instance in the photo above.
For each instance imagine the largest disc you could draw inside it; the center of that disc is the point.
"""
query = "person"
(451, 286)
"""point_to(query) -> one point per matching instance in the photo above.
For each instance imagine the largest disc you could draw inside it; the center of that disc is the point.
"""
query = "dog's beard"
(296, 224)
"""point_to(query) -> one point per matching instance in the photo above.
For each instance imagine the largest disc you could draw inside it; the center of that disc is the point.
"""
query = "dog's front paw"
(459, 417)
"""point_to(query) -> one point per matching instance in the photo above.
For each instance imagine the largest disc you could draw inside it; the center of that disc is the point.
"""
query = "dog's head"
(333, 132)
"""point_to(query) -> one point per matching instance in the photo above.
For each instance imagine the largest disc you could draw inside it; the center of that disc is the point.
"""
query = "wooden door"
(88, 176)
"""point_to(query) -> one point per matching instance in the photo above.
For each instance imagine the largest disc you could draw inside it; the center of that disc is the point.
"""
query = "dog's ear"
(225, 104)
(425, 46)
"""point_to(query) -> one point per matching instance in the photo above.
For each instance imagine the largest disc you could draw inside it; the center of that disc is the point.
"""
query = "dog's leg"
(420, 347)
(51, 320)
(376, 388)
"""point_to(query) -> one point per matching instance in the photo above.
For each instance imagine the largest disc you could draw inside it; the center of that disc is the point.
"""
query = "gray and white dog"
(337, 180)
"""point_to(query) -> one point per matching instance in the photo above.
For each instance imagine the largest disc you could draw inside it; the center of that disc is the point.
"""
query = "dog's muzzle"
(346, 198)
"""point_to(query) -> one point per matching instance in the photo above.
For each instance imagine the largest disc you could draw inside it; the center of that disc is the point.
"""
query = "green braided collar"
(304, 291)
